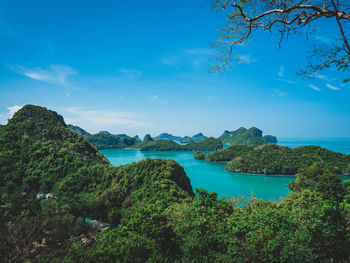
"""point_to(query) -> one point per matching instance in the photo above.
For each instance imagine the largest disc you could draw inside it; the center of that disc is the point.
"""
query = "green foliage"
(105, 140)
(274, 159)
(228, 153)
(199, 155)
(40, 157)
(251, 136)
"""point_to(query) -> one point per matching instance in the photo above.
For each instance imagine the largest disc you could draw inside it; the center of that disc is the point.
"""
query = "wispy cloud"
(288, 81)
(314, 87)
(332, 87)
(8, 115)
(280, 73)
(194, 57)
(131, 73)
(320, 76)
(102, 119)
(55, 74)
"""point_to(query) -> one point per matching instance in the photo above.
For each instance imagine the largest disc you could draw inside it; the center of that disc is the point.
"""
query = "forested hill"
(52, 178)
(251, 136)
(275, 159)
(106, 140)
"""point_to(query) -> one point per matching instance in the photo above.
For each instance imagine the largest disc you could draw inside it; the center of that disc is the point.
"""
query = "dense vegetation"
(251, 136)
(106, 140)
(151, 211)
(51, 179)
(199, 155)
(228, 153)
(209, 144)
(310, 225)
(274, 159)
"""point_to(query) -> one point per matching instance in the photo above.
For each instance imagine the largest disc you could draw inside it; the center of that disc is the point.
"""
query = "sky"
(140, 67)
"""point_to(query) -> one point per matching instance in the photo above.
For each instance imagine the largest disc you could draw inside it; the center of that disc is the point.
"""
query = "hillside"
(209, 144)
(251, 136)
(57, 178)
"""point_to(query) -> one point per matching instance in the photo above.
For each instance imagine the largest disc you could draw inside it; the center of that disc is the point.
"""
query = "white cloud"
(332, 87)
(8, 115)
(55, 74)
(281, 72)
(96, 120)
(288, 81)
(314, 87)
(131, 73)
(320, 76)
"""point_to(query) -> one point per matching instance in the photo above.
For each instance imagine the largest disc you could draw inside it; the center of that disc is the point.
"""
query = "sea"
(214, 178)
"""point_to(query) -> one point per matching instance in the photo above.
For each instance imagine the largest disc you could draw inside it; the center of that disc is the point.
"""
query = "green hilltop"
(251, 136)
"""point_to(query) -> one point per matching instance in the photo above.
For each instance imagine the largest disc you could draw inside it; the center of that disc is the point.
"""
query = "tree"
(246, 17)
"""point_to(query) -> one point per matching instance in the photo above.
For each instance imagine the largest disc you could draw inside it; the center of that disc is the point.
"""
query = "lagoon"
(211, 176)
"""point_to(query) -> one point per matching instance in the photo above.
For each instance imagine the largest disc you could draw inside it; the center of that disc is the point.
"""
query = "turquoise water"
(211, 176)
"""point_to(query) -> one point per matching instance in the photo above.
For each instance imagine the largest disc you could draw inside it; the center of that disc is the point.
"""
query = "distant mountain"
(104, 139)
(167, 136)
(198, 137)
(187, 139)
(209, 144)
(147, 138)
(251, 136)
(123, 135)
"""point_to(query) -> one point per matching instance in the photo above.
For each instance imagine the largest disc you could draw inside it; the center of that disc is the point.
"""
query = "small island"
(149, 144)
(277, 160)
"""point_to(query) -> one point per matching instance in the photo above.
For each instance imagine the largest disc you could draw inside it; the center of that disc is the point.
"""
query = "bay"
(211, 176)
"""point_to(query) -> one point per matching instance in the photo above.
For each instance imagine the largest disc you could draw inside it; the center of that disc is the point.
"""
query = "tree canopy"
(246, 17)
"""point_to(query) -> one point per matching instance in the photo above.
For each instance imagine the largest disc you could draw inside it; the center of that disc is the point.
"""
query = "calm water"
(211, 176)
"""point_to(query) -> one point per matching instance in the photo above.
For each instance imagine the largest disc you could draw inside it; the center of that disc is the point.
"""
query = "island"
(106, 140)
(149, 144)
(277, 160)
(251, 136)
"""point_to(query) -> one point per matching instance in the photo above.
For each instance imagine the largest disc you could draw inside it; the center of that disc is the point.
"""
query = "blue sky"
(141, 67)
